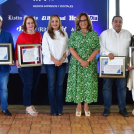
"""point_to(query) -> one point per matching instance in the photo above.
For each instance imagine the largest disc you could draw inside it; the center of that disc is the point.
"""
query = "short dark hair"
(117, 16)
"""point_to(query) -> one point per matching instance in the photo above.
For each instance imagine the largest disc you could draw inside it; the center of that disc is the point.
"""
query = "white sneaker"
(133, 112)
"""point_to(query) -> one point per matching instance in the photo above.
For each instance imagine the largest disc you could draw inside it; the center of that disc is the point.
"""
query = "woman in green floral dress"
(82, 83)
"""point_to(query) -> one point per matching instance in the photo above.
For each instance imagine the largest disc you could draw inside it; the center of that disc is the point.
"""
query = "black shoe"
(106, 112)
(7, 113)
(124, 112)
(59, 114)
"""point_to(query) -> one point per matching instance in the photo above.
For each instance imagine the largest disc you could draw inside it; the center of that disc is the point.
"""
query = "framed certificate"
(115, 68)
(29, 55)
(131, 56)
(6, 53)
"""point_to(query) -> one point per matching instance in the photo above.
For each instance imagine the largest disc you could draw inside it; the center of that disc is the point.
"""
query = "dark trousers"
(30, 78)
(121, 91)
(55, 77)
(4, 76)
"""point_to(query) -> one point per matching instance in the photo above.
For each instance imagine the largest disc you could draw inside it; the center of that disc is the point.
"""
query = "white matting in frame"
(6, 57)
(131, 56)
(29, 55)
(115, 68)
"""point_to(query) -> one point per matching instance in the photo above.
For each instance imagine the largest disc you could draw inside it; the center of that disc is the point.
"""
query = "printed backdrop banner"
(14, 12)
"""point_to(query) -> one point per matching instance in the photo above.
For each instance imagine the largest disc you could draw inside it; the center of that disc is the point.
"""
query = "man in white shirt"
(115, 42)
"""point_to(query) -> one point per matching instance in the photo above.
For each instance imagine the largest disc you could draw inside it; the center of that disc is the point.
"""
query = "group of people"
(84, 45)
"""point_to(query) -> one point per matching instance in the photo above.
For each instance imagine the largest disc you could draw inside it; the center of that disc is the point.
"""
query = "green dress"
(82, 83)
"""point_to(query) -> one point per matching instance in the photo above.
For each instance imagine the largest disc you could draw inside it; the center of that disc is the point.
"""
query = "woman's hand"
(17, 64)
(61, 61)
(41, 47)
(12, 63)
(84, 63)
(57, 62)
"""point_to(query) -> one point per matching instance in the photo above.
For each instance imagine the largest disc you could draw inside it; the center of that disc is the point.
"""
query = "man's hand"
(111, 56)
(129, 68)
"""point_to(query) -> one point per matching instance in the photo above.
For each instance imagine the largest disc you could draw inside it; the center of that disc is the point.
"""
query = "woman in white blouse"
(55, 52)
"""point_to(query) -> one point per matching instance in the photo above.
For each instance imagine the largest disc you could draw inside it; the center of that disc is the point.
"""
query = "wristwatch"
(63, 58)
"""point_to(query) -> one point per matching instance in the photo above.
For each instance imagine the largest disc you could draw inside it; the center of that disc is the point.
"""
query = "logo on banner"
(48, 17)
(11, 17)
(45, 17)
(92, 17)
(42, 29)
(72, 29)
(64, 28)
(19, 29)
(2, 1)
(72, 17)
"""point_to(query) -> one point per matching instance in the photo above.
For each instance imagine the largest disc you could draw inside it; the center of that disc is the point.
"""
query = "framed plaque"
(6, 54)
(131, 56)
(115, 68)
(29, 55)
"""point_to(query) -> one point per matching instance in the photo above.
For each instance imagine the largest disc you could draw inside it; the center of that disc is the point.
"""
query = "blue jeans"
(30, 78)
(55, 77)
(121, 91)
(4, 76)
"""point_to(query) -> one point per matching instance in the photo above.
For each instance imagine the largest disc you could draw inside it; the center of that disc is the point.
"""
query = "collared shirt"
(115, 43)
(55, 47)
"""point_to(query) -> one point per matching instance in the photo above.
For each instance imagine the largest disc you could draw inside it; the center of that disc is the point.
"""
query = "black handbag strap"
(132, 40)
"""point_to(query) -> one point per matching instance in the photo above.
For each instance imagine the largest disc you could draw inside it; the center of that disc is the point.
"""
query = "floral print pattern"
(83, 82)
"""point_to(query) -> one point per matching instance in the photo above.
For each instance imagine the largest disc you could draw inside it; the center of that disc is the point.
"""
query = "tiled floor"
(68, 123)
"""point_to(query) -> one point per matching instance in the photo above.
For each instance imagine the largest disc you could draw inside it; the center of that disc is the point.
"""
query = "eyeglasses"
(83, 20)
